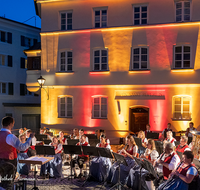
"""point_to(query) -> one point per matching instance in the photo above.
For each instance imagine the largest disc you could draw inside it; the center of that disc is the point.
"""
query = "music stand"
(47, 142)
(91, 151)
(94, 142)
(180, 154)
(197, 164)
(91, 136)
(159, 146)
(120, 159)
(138, 141)
(40, 137)
(72, 141)
(152, 135)
(72, 149)
(45, 150)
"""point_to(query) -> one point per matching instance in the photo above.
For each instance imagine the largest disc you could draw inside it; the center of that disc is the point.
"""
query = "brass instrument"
(196, 143)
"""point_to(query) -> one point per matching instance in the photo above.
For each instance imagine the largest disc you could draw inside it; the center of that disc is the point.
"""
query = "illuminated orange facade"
(165, 90)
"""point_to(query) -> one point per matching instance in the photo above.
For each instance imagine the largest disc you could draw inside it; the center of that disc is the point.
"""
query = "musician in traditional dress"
(144, 140)
(189, 129)
(128, 151)
(33, 142)
(75, 134)
(62, 139)
(53, 168)
(183, 176)
(21, 130)
(100, 166)
(183, 146)
(9, 143)
(170, 138)
(151, 153)
(80, 159)
(148, 127)
(167, 161)
(81, 132)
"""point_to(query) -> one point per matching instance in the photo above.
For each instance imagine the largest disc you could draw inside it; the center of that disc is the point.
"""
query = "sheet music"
(41, 159)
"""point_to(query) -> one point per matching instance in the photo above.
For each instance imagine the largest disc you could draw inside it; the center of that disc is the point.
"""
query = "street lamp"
(41, 82)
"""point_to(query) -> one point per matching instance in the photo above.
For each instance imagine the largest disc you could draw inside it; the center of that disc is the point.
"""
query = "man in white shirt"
(170, 138)
(81, 132)
(189, 129)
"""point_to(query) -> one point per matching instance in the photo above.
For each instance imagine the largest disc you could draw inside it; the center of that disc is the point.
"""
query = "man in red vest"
(168, 161)
(9, 143)
(183, 146)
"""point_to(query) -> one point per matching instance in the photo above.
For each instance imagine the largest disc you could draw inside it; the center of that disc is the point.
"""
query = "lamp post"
(41, 82)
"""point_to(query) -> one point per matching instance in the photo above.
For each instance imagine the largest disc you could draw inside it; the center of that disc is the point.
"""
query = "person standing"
(189, 129)
(8, 151)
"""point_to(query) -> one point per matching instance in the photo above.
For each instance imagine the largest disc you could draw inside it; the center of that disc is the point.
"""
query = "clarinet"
(123, 148)
(173, 176)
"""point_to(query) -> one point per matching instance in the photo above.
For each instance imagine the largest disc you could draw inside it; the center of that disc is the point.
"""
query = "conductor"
(8, 152)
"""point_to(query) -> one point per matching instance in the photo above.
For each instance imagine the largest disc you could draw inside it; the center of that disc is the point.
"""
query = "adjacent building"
(118, 65)
(15, 99)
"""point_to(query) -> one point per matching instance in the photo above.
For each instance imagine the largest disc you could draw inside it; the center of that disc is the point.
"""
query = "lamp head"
(41, 81)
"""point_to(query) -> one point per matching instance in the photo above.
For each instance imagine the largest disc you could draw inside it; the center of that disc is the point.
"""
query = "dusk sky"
(19, 10)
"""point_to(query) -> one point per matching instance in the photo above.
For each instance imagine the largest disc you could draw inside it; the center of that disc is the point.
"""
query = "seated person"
(129, 152)
(150, 154)
(147, 130)
(189, 129)
(166, 130)
(21, 131)
(183, 175)
(100, 166)
(167, 161)
(80, 159)
(22, 169)
(75, 134)
(170, 138)
(62, 139)
(183, 146)
(53, 168)
(81, 132)
(144, 140)
(33, 142)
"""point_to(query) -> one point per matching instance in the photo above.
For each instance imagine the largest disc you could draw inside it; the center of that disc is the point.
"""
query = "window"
(140, 58)
(65, 107)
(2, 59)
(182, 11)
(6, 60)
(182, 57)
(140, 15)
(23, 90)
(65, 61)
(99, 107)
(2, 88)
(101, 60)
(182, 107)
(10, 61)
(6, 37)
(66, 21)
(100, 18)
(25, 41)
(22, 63)
(10, 88)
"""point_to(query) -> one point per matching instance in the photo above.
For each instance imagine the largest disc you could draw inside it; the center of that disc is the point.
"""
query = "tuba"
(196, 143)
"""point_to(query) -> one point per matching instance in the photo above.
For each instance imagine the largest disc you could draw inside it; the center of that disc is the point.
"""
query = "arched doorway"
(139, 117)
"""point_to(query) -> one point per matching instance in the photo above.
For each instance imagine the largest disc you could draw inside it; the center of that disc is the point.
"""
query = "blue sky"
(19, 10)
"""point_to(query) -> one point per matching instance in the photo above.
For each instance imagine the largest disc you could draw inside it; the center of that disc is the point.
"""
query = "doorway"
(139, 117)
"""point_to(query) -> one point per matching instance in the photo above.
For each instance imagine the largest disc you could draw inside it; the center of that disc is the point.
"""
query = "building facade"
(15, 100)
(118, 65)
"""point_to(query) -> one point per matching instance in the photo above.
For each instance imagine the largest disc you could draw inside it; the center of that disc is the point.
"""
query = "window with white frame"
(101, 60)
(140, 14)
(140, 58)
(65, 61)
(66, 21)
(182, 107)
(182, 57)
(2, 88)
(182, 11)
(65, 107)
(99, 107)
(2, 59)
(100, 18)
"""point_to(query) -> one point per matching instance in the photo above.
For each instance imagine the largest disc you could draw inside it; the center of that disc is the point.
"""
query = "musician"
(53, 168)
(62, 139)
(80, 159)
(81, 132)
(183, 146)
(184, 175)
(104, 133)
(100, 166)
(189, 129)
(42, 131)
(128, 151)
(21, 130)
(33, 142)
(150, 153)
(147, 130)
(167, 161)
(75, 134)
(8, 154)
(170, 138)
(144, 140)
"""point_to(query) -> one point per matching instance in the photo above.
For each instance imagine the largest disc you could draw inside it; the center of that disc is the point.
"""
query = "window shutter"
(9, 61)
(3, 36)
(22, 63)
(9, 38)
(34, 41)
(22, 40)
(10, 88)
(58, 106)
(22, 89)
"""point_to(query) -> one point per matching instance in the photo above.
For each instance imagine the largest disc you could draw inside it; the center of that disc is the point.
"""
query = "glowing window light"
(182, 70)
(100, 73)
(64, 73)
(140, 72)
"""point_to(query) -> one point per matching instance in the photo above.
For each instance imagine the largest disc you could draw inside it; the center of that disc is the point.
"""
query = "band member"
(166, 130)
(128, 151)
(141, 135)
(33, 142)
(183, 146)
(170, 138)
(189, 129)
(53, 168)
(167, 161)
(62, 139)
(8, 154)
(42, 131)
(81, 132)
(80, 159)
(75, 134)
(147, 130)
(184, 174)
(100, 166)
(21, 130)
(151, 154)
